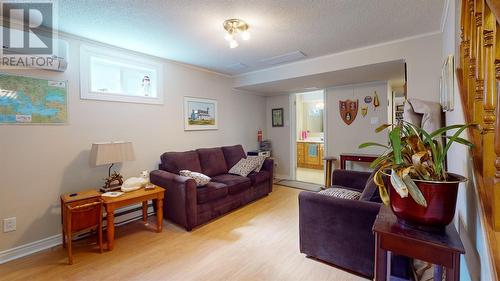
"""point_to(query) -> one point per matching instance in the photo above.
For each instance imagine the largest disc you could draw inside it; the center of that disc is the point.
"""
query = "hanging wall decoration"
(364, 110)
(348, 110)
(368, 99)
(376, 101)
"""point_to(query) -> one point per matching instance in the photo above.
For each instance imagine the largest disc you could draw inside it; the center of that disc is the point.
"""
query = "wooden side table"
(129, 198)
(356, 157)
(80, 211)
(329, 169)
(442, 249)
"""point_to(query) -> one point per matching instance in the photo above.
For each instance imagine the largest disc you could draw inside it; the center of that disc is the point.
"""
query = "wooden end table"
(80, 211)
(442, 249)
(129, 198)
(356, 157)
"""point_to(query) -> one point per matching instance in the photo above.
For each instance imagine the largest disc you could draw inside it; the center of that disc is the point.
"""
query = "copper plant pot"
(441, 200)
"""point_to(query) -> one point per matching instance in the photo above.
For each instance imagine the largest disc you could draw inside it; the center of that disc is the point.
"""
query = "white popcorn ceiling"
(191, 31)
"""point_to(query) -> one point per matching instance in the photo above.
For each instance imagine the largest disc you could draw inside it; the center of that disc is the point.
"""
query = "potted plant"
(411, 174)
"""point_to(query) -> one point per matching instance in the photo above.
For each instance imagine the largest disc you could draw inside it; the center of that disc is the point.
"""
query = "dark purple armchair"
(339, 231)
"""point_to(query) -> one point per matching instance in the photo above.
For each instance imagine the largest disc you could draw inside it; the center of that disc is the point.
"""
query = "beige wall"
(38, 163)
(422, 55)
(476, 263)
(279, 136)
(343, 138)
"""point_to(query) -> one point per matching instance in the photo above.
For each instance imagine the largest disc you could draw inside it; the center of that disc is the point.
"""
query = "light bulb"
(245, 35)
(228, 37)
(233, 44)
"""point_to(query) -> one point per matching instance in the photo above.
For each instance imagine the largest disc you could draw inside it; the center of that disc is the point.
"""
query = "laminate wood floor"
(256, 242)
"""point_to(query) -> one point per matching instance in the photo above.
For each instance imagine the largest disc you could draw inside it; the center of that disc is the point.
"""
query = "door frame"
(293, 130)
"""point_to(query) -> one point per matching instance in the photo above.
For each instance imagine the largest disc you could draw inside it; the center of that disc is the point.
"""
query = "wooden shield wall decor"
(348, 110)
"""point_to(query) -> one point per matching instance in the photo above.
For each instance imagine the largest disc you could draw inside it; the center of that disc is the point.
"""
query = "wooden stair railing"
(479, 77)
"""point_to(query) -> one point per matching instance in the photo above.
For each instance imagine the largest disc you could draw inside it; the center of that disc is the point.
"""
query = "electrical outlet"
(275, 164)
(9, 224)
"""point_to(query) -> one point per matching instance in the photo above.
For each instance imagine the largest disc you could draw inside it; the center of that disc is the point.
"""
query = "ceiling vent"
(237, 66)
(288, 57)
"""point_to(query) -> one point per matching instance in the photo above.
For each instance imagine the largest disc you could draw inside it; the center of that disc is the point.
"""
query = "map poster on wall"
(26, 100)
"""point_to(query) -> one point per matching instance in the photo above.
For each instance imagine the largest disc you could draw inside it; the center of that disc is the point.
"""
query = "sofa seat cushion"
(341, 193)
(212, 161)
(258, 177)
(235, 184)
(233, 154)
(173, 162)
(211, 191)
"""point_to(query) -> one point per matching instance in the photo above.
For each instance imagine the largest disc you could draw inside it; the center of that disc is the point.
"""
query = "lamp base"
(112, 183)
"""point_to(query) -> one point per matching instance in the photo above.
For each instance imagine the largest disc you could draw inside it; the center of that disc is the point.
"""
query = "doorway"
(309, 137)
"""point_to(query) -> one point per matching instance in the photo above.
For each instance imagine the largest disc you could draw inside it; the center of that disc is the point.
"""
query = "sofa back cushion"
(175, 161)
(212, 161)
(233, 154)
(370, 193)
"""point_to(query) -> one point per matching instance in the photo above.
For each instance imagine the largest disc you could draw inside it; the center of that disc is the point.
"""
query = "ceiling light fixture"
(234, 27)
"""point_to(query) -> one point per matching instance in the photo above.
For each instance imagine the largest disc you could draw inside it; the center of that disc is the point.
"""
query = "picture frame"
(200, 114)
(447, 84)
(277, 117)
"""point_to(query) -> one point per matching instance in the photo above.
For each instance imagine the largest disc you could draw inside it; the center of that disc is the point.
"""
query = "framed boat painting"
(200, 114)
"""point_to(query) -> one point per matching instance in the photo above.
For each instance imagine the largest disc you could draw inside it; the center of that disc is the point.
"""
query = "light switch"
(374, 120)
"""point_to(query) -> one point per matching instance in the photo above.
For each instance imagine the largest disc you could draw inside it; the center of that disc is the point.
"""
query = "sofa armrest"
(338, 231)
(350, 179)
(180, 197)
(268, 165)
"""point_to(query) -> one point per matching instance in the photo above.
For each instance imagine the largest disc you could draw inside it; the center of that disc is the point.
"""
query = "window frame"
(120, 58)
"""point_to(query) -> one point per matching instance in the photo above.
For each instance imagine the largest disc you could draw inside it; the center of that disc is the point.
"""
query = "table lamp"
(105, 153)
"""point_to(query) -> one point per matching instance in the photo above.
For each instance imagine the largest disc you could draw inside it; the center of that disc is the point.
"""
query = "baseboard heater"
(122, 217)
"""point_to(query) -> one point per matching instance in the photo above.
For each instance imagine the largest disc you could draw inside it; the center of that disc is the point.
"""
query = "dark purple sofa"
(190, 206)
(339, 231)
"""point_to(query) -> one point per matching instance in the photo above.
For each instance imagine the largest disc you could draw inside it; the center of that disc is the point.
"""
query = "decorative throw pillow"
(341, 193)
(259, 161)
(244, 167)
(199, 178)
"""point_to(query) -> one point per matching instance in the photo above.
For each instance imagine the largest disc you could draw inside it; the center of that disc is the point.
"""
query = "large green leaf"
(445, 129)
(368, 144)
(414, 191)
(462, 141)
(395, 138)
(382, 127)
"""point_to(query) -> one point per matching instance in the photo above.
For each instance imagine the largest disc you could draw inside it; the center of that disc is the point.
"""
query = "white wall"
(343, 138)
(476, 264)
(38, 163)
(279, 136)
(422, 55)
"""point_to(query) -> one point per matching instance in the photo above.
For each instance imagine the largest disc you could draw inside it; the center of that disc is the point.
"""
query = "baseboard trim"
(30, 248)
(56, 240)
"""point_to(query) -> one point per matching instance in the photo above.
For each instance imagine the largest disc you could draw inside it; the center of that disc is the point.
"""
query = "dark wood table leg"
(453, 274)
(110, 231)
(159, 214)
(342, 163)
(145, 211)
(380, 261)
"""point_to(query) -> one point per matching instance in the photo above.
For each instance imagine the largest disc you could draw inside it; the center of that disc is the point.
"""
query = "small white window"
(113, 76)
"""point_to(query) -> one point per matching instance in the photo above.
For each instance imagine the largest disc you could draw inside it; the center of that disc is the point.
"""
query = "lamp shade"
(104, 153)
